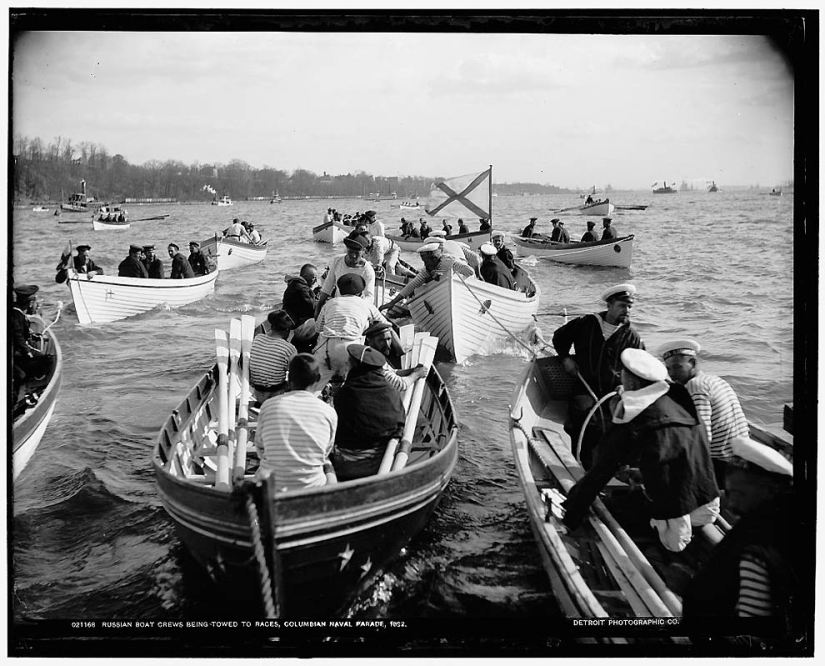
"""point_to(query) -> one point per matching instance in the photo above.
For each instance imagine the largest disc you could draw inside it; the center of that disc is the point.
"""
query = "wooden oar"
(222, 349)
(242, 431)
(564, 210)
(234, 383)
(425, 358)
(406, 334)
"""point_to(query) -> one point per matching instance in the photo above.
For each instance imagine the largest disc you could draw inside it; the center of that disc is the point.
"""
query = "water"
(89, 536)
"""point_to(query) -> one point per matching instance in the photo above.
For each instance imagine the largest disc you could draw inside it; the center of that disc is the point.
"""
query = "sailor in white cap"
(754, 571)
(353, 261)
(502, 252)
(437, 264)
(655, 426)
(382, 253)
(493, 269)
(715, 400)
(456, 249)
(599, 340)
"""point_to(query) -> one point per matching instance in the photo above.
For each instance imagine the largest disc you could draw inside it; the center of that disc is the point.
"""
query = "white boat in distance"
(614, 252)
(330, 232)
(411, 244)
(597, 208)
(223, 201)
(104, 225)
(232, 253)
(41, 209)
(105, 298)
(468, 314)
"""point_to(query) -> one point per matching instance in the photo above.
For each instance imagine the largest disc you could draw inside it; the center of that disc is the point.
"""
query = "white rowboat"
(231, 253)
(330, 232)
(615, 252)
(104, 298)
(105, 225)
(474, 239)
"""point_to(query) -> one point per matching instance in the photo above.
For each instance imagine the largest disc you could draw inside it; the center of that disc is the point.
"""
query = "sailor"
(354, 261)
(608, 232)
(370, 413)
(84, 264)
(457, 250)
(382, 337)
(462, 227)
(753, 572)
(270, 355)
(589, 235)
(132, 266)
(197, 259)
(181, 268)
(375, 226)
(599, 340)
(555, 234)
(234, 231)
(655, 428)
(715, 400)
(154, 266)
(27, 358)
(493, 269)
(564, 237)
(484, 224)
(502, 252)
(529, 230)
(424, 228)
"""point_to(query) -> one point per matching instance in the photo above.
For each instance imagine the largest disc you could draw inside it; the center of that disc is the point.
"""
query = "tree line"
(49, 172)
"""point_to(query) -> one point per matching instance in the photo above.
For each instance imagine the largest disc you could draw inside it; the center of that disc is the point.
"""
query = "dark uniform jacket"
(197, 260)
(528, 231)
(495, 272)
(608, 233)
(370, 410)
(598, 359)
(154, 268)
(555, 235)
(132, 267)
(89, 265)
(589, 236)
(181, 268)
(506, 257)
(299, 300)
(668, 442)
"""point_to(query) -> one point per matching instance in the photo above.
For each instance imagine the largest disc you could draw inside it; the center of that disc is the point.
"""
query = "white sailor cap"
(644, 364)
(497, 233)
(685, 347)
(429, 247)
(761, 455)
(437, 233)
(622, 292)
(487, 248)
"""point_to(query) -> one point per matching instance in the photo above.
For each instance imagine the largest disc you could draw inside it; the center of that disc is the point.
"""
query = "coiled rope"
(258, 548)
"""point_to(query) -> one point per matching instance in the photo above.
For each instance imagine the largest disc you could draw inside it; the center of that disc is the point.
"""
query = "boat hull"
(331, 541)
(29, 427)
(104, 225)
(234, 254)
(330, 232)
(470, 316)
(474, 239)
(599, 208)
(104, 298)
(617, 252)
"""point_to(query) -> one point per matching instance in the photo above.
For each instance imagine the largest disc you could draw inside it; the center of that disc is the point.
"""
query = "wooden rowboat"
(231, 253)
(597, 208)
(602, 569)
(105, 298)
(474, 239)
(469, 316)
(318, 546)
(330, 232)
(615, 252)
(104, 225)
(39, 400)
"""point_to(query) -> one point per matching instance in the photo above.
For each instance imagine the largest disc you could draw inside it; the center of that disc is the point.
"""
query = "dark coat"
(299, 300)
(154, 268)
(564, 237)
(669, 444)
(609, 233)
(370, 410)
(132, 267)
(85, 267)
(495, 272)
(555, 235)
(528, 231)
(589, 236)
(181, 268)
(598, 359)
(506, 258)
(197, 260)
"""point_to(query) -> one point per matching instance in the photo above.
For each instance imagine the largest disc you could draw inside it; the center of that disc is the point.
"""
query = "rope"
(587, 420)
(258, 548)
(506, 330)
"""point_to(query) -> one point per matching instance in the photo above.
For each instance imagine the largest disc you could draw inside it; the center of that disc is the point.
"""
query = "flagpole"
(490, 197)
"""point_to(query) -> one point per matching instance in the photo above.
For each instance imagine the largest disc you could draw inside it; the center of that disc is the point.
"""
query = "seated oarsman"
(342, 321)
(296, 431)
(502, 251)
(436, 265)
(380, 337)
(300, 297)
(493, 269)
(382, 253)
(132, 266)
(353, 261)
(83, 262)
(153, 264)
(752, 572)
(270, 356)
(28, 360)
(370, 413)
(655, 428)
(181, 268)
(236, 231)
(254, 235)
(197, 259)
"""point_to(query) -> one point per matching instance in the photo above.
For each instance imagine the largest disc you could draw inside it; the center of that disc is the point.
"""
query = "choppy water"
(89, 537)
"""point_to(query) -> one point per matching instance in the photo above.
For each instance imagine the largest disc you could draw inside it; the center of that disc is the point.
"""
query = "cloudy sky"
(568, 109)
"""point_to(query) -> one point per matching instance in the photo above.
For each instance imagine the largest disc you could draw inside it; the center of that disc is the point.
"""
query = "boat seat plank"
(561, 456)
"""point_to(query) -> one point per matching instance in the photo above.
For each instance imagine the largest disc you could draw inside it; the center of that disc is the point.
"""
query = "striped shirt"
(397, 382)
(754, 588)
(347, 317)
(339, 268)
(294, 438)
(425, 275)
(719, 410)
(269, 360)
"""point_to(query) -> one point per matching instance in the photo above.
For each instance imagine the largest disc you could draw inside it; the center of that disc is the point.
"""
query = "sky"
(572, 110)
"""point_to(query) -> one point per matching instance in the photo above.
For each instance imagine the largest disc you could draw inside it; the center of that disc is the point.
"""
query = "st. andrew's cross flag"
(463, 196)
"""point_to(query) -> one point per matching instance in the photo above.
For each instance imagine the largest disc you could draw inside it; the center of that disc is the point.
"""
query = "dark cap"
(83, 248)
(194, 243)
(24, 291)
(555, 219)
(174, 245)
(234, 220)
(370, 213)
(377, 327)
(532, 219)
(279, 320)
(351, 283)
(356, 241)
(591, 223)
(607, 219)
(146, 248)
(135, 248)
(366, 355)
(561, 223)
